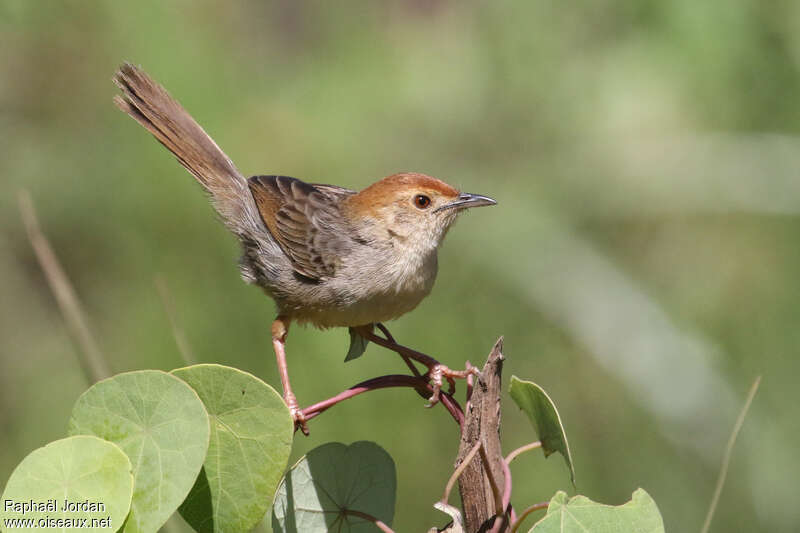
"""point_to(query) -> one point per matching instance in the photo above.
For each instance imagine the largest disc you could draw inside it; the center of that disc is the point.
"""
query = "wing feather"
(305, 221)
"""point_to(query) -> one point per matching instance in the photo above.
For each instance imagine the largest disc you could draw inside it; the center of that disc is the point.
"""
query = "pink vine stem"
(383, 382)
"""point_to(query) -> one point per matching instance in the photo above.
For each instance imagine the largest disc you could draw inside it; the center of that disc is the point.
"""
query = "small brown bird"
(327, 255)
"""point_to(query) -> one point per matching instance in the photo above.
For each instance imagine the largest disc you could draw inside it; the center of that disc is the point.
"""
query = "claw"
(451, 384)
(297, 413)
(434, 399)
(299, 420)
(439, 372)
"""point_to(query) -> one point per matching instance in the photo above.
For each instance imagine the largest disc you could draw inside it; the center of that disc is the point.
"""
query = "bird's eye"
(422, 201)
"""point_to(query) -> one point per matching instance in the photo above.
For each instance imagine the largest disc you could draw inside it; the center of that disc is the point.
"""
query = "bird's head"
(412, 209)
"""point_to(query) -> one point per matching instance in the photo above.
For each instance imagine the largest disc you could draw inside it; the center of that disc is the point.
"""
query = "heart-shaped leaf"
(542, 413)
(582, 515)
(251, 438)
(161, 424)
(337, 488)
(84, 480)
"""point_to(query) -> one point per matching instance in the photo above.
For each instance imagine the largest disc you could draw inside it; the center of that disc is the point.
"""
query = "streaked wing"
(305, 221)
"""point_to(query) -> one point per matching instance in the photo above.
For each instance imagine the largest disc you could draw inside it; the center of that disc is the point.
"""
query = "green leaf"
(251, 438)
(358, 345)
(91, 474)
(160, 422)
(582, 515)
(320, 491)
(542, 413)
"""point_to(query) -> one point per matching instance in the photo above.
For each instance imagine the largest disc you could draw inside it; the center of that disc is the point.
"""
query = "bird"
(328, 256)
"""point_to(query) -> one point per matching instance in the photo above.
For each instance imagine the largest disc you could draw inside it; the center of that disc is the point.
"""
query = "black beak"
(466, 200)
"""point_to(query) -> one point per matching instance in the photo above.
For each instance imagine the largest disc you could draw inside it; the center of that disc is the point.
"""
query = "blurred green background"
(642, 262)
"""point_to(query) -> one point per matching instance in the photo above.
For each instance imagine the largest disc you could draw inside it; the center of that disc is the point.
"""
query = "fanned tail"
(152, 106)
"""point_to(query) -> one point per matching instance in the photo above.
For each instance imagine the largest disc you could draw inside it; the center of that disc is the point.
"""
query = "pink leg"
(280, 329)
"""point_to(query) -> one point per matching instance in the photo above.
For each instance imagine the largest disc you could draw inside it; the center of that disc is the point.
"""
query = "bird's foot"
(297, 413)
(438, 373)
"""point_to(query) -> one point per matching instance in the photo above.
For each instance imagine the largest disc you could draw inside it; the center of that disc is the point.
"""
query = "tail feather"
(152, 106)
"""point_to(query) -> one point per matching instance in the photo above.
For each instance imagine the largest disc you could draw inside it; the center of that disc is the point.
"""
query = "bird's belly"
(366, 309)
(357, 296)
(378, 309)
(344, 303)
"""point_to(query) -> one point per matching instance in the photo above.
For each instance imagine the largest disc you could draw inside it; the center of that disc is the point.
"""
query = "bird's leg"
(437, 372)
(280, 329)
